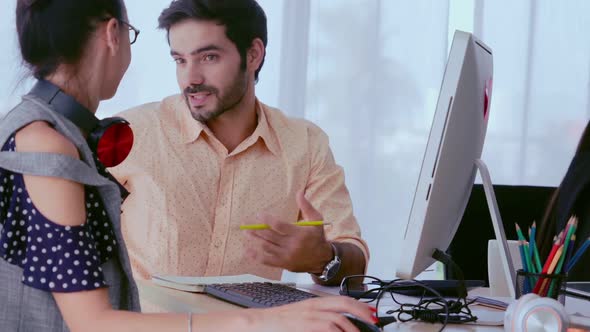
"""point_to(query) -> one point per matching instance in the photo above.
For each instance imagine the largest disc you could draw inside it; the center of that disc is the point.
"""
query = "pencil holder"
(548, 285)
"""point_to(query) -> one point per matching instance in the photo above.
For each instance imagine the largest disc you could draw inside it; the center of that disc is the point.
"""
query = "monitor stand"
(505, 256)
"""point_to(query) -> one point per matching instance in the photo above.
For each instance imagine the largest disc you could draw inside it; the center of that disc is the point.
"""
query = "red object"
(115, 144)
(487, 94)
(556, 245)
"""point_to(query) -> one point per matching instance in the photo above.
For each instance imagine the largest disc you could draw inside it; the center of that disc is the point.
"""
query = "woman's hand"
(318, 314)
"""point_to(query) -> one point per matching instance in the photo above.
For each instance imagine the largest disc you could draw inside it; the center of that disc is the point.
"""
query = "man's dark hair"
(244, 20)
(54, 32)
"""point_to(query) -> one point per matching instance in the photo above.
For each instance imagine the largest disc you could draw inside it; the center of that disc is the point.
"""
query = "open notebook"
(197, 284)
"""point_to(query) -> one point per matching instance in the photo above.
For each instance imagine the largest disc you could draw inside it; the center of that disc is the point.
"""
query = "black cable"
(446, 259)
(431, 307)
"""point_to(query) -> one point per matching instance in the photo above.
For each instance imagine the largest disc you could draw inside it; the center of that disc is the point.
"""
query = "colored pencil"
(571, 228)
(521, 237)
(519, 232)
(527, 282)
(570, 253)
(554, 249)
(300, 223)
(529, 263)
(534, 249)
(543, 289)
(578, 254)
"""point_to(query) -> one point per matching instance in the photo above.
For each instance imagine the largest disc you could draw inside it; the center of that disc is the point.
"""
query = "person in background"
(63, 261)
(215, 157)
(571, 198)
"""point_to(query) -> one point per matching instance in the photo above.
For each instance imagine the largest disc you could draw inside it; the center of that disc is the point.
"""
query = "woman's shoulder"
(39, 136)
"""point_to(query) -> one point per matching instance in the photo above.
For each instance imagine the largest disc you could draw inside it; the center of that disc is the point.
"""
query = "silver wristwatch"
(333, 266)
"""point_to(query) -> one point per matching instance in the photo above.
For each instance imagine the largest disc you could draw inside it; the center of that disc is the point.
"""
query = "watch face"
(332, 268)
(333, 271)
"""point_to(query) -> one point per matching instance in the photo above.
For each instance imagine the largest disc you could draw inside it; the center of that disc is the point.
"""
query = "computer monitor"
(455, 142)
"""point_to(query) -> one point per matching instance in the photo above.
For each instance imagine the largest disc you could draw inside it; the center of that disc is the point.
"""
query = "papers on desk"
(489, 302)
(486, 317)
(489, 311)
(197, 284)
(578, 288)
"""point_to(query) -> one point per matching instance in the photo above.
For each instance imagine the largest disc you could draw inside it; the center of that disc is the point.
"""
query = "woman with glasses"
(571, 199)
(63, 262)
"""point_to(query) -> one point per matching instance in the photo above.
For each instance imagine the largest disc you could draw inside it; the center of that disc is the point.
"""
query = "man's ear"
(112, 35)
(255, 54)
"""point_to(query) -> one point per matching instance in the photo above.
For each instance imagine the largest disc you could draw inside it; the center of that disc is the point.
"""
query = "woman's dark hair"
(54, 32)
(244, 20)
(549, 223)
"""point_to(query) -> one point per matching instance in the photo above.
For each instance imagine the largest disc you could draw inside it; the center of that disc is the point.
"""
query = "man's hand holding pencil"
(289, 245)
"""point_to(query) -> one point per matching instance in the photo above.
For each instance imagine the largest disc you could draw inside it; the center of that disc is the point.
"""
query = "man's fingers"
(264, 257)
(308, 212)
(259, 242)
(268, 235)
(284, 227)
(265, 252)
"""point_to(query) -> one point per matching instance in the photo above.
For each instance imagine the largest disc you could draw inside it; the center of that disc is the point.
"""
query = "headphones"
(110, 139)
(540, 314)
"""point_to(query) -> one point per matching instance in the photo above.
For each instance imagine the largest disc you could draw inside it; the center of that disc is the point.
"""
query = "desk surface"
(177, 301)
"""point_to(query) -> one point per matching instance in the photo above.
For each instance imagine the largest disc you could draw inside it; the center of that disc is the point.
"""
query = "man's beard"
(235, 94)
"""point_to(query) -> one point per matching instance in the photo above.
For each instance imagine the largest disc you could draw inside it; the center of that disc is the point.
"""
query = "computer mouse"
(361, 324)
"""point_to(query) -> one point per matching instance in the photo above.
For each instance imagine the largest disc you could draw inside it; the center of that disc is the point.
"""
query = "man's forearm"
(352, 262)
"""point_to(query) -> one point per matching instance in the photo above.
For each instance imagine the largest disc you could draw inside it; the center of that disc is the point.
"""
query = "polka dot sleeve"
(59, 258)
(53, 257)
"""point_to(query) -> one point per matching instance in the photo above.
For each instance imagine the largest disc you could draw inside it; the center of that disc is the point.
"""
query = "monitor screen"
(448, 168)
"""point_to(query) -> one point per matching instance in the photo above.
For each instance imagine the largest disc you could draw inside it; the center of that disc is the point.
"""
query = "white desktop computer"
(451, 160)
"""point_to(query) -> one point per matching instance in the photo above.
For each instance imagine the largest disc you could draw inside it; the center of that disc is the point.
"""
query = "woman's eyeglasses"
(133, 32)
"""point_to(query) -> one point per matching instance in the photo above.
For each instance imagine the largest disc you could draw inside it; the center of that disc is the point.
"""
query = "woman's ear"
(113, 39)
(255, 54)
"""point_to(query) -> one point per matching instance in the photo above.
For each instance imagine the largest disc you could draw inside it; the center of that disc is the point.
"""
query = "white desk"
(177, 301)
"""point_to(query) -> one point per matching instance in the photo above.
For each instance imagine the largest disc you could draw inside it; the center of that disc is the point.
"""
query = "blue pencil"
(578, 254)
(527, 287)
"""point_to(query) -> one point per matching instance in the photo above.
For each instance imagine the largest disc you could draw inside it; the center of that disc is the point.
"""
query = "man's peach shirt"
(189, 195)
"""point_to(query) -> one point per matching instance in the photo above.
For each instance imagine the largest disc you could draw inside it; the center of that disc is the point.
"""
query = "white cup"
(496, 275)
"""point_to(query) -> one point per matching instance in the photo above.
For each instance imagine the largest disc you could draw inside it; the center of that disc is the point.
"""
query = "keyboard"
(257, 294)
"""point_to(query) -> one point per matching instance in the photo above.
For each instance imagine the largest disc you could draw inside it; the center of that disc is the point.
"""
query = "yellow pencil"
(545, 282)
(300, 223)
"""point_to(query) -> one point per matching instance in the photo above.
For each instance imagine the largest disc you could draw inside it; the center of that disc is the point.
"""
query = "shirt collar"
(264, 130)
(191, 129)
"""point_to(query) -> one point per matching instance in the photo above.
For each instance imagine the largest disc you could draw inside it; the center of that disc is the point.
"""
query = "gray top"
(24, 308)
